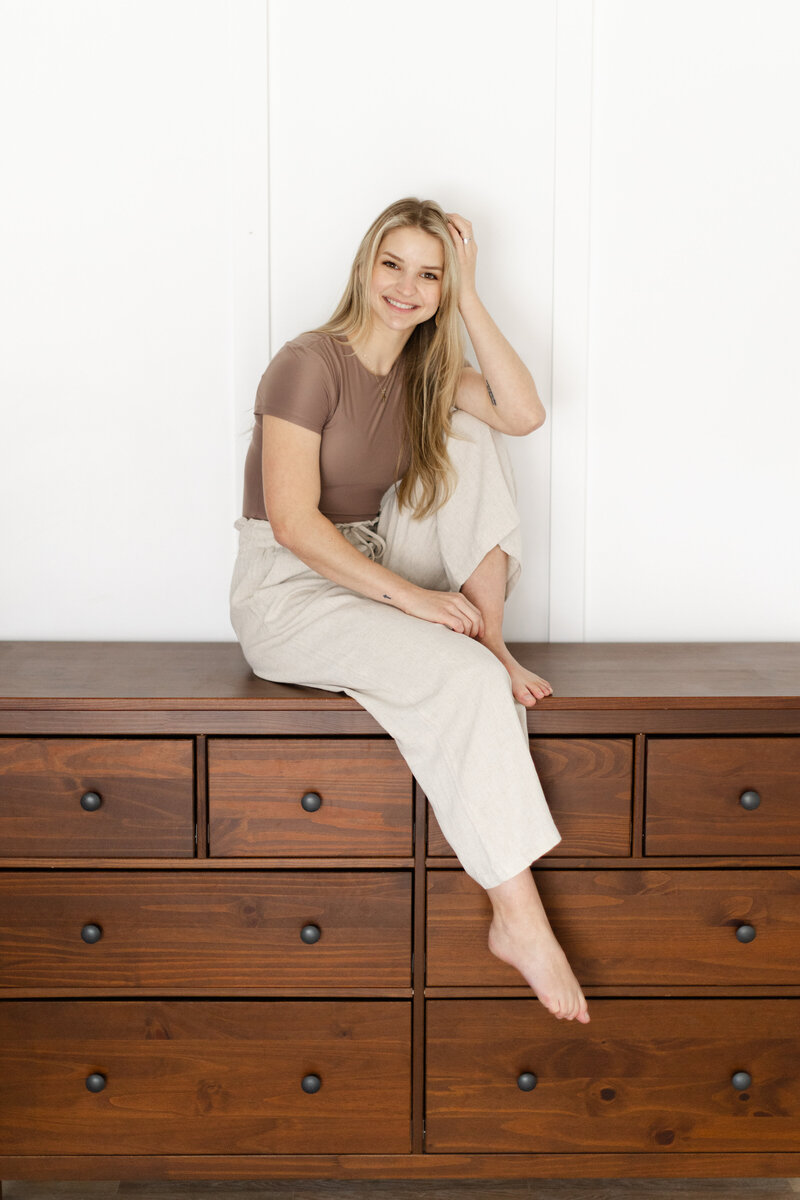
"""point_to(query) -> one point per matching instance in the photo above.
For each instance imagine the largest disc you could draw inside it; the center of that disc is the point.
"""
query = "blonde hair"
(432, 358)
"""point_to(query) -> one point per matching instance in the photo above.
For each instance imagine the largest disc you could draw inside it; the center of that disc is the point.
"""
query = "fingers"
(464, 617)
(460, 228)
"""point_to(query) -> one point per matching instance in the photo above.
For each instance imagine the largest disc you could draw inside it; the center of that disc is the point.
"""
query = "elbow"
(284, 532)
(290, 528)
(532, 424)
(280, 527)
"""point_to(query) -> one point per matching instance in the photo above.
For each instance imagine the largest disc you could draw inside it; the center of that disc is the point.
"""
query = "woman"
(380, 539)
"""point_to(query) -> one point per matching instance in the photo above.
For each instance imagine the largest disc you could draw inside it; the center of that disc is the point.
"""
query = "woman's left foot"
(526, 686)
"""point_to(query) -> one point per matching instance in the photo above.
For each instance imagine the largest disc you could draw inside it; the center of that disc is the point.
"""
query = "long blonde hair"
(432, 358)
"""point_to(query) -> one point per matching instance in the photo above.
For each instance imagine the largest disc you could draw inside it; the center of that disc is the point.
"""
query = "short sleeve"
(297, 385)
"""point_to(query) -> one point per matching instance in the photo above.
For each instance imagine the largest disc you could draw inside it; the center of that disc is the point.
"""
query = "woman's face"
(407, 278)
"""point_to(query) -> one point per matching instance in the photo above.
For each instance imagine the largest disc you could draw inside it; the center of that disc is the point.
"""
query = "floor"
(556, 1189)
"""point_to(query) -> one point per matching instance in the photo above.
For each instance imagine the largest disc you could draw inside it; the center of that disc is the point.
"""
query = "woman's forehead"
(409, 242)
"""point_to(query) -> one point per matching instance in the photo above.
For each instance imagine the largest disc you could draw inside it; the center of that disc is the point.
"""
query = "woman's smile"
(399, 304)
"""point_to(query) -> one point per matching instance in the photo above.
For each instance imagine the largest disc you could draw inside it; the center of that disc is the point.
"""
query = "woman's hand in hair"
(461, 228)
(452, 609)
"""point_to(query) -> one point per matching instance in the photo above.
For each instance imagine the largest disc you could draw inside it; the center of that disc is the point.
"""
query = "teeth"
(397, 304)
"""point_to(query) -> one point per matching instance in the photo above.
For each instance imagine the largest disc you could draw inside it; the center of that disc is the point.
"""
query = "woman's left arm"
(503, 393)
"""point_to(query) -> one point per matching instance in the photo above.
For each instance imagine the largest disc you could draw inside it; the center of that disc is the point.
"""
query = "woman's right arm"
(292, 490)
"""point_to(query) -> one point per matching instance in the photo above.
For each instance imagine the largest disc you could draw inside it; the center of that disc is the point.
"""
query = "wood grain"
(588, 784)
(645, 1075)
(163, 929)
(215, 674)
(663, 928)
(145, 785)
(694, 786)
(203, 1077)
(256, 785)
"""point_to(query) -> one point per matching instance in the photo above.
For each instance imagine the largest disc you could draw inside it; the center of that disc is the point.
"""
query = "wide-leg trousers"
(444, 698)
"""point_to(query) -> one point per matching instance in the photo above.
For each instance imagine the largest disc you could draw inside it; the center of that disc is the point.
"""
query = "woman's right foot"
(533, 950)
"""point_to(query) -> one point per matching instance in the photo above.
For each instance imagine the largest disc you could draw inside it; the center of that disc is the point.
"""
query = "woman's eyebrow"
(399, 259)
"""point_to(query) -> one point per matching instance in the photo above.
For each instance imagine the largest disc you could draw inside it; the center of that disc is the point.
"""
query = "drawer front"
(358, 793)
(96, 797)
(190, 1077)
(723, 795)
(193, 931)
(631, 927)
(588, 783)
(644, 1076)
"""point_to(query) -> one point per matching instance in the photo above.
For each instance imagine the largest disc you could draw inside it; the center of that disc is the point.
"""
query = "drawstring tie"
(364, 536)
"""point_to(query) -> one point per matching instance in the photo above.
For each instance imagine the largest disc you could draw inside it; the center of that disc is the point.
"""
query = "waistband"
(361, 534)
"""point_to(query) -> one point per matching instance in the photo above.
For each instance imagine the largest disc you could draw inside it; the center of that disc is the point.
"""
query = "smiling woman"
(380, 539)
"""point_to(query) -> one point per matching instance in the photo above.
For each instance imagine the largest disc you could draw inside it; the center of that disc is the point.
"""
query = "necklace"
(382, 379)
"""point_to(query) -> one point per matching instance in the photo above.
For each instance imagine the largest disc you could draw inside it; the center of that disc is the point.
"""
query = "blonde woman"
(380, 539)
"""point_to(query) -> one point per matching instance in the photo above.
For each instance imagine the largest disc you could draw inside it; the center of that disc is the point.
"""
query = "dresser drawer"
(96, 797)
(588, 783)
(194, 1077)
(644, 1076)
(193, 931)
(723, 795)
(631, 927)
(308, 796)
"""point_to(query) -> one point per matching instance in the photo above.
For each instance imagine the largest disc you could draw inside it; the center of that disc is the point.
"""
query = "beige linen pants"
(444, 698)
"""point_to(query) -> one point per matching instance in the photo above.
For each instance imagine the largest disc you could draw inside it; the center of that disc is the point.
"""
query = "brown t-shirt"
(317, 381)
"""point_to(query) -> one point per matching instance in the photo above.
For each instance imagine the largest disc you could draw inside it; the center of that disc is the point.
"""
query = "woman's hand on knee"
(452, 609)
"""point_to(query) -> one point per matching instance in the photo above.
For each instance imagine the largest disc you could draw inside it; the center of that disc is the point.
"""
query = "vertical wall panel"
(454, 101)
(694, 419)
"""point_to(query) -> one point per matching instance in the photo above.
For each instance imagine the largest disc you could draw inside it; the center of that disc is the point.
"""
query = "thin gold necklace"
(382, 379)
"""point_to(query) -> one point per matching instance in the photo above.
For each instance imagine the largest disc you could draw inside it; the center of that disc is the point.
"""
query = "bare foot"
(526, 686)
(536, 954)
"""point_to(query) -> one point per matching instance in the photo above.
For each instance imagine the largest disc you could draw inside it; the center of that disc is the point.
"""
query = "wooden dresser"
(235, 945)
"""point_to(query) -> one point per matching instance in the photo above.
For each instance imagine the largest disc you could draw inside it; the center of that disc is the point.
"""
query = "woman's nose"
(407, 285)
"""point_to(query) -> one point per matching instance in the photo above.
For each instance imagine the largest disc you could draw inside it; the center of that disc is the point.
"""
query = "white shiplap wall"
(189, 180)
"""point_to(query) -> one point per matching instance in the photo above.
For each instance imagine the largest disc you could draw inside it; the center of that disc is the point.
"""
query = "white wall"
(188, 180)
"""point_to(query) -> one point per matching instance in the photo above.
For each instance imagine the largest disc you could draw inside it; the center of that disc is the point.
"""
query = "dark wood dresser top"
(199, 675)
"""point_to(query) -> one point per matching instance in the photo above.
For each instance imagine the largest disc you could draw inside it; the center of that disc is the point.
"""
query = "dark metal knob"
(311, 1083)
(95, 1083)
(91, 801)
(91, 934)
(749, 800)
(746, 933)
(526, 1082)
(311, 801)
(741, 1081)
(310, 934)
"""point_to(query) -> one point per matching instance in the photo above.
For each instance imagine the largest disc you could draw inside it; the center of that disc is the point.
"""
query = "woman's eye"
(387, 263)
(430, 275)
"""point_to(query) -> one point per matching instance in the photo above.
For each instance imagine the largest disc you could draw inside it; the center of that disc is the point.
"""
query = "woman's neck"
(379, 349)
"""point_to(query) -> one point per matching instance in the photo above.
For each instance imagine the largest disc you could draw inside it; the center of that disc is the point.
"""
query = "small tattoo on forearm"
(386, 597)
(491, 394)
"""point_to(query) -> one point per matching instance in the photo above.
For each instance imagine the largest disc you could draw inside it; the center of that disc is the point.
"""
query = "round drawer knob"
(741, 1081)
(311, 802)
(310, 934)
(311, 1083)
(91, 934)
(91, 801)
(95, 1082)
(527, 1081)
(750, 800)
(746, 933)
